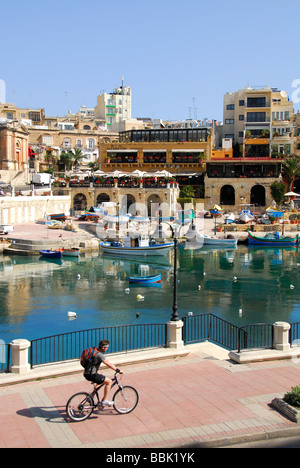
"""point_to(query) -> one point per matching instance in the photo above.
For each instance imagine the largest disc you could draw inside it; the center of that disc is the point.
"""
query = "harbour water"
(243, 286)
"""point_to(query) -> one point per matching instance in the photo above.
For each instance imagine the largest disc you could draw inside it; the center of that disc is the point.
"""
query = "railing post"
(175, 334)
(19, 359)
(281, 338)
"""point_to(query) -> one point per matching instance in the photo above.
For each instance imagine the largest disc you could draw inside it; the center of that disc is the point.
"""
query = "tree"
(291, 169)
(278, 190)
(187, 192)
(66, 160)
(77, 156)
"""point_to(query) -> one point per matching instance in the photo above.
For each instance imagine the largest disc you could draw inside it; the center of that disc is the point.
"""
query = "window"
(241, 117)
(67, 143)
(229, 121)
(230, 107)
(34, 116)
(241, 102)
(90, 143)
(47, 140)
(9, 115)
(256, 102)
(78, 143)
(256, 117)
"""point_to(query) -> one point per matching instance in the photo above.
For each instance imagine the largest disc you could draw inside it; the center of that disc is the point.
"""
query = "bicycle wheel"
(125, 399)
(80, 406)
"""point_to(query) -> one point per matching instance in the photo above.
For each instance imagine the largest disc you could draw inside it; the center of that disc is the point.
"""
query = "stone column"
(281, 339)
(19, 356)
(175, 334)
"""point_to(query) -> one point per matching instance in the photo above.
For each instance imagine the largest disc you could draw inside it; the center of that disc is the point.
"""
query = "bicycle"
(81, 405)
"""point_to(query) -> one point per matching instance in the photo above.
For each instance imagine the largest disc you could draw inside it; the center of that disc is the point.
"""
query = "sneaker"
(107, 403)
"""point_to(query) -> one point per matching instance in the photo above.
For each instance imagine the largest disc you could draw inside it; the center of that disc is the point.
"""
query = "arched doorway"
(126, 202)
(153, 203)
(79, 202)
(227, 195)
(258, 195)
(102, 197)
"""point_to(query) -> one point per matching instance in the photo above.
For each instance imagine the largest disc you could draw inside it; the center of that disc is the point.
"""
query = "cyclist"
(91, 371)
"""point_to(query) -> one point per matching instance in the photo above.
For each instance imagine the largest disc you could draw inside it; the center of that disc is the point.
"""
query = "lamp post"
(174, 315)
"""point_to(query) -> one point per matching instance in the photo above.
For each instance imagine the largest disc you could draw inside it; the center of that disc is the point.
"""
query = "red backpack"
(87, 356)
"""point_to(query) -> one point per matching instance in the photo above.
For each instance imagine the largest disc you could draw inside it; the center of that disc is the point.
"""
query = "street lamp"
(174, 315)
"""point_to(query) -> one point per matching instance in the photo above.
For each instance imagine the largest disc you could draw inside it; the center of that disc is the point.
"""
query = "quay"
(189, 399)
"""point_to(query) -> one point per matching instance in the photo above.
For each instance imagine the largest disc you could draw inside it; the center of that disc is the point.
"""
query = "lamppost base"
(175, 334)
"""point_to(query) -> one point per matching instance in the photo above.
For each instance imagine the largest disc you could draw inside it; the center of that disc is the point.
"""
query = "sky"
(178, 57)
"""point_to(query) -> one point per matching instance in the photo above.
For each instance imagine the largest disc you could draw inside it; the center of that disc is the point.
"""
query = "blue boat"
(51, 253)
(273, 239)
(145, 279)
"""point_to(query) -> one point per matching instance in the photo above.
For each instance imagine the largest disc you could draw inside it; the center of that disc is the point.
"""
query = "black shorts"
(95, 378)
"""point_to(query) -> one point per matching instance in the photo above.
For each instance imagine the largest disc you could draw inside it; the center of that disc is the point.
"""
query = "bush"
(293, 397)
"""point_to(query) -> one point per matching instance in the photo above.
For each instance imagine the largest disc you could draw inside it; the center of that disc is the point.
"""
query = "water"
(243, 286)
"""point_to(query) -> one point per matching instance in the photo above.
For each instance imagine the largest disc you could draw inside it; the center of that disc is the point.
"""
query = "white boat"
(74, 252)
(136, 246)
(229, 218)
(216, 241)
(245, 216)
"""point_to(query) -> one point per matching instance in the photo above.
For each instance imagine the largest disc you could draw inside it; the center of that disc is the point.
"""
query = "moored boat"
(216, 241)
(145, 279)
(272, 238)
(58, 217)
(51, 253)
(137, 246)
(70, 252)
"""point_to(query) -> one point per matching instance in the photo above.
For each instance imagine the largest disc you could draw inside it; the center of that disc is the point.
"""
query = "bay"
(243, 286)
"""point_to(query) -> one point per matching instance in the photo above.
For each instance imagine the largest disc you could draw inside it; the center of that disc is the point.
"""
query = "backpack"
(87, 357)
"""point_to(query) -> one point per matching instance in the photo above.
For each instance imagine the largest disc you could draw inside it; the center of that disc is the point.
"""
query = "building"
(13, 148)
(9, 113)
(260, 121)
(182, 152)
(114, 107)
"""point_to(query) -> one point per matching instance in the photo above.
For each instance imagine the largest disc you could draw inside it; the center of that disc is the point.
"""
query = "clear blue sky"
(176, 56)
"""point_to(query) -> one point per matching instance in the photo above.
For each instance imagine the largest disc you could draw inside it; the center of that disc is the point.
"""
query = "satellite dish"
(283, 93)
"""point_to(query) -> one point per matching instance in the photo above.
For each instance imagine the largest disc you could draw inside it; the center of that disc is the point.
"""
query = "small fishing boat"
(216, 241)
(51, 253)
(58, 217)
(273, 239)
(70, 252)
(245, 216)
(145, 279)
(136, 246)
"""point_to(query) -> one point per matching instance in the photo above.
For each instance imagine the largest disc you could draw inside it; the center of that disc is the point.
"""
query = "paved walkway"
(200, 399)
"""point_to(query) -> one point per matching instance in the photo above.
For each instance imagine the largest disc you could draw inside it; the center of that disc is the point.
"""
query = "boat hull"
(216, 241)
(70, 252)
(51, 253)
(145, 279)
(157, 249)
(281, 241)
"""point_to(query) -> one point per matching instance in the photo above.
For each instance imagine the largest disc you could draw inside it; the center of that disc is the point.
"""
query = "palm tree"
(77, 156)
(291, 169)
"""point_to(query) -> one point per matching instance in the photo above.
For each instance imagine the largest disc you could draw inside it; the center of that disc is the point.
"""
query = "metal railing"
(212, 328)
(4, 357)
(122, 338)
(294, 334)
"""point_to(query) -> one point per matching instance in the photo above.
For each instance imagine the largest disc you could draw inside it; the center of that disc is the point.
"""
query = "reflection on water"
(243, 285)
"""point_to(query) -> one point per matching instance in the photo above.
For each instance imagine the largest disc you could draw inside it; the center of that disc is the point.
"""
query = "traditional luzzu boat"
(141, 245)
(272, 239)
(145, 279)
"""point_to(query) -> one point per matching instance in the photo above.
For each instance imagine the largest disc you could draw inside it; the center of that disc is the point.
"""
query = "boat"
(70, 252)
(245, 216)
(51, 253)
(136, 246)
(273, 239)
(58, 217)
(217, 241)
(229, 218)
(145, 279)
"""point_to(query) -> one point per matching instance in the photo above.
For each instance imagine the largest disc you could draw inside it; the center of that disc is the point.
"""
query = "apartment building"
(260, 121)
(115, 106)
(10, 113)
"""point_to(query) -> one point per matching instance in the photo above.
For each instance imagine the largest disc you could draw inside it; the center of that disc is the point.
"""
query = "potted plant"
(272, 219)
(219, 227)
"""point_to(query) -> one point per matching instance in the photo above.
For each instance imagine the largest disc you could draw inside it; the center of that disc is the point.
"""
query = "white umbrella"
(137, 173)
(163, 173)
(291, 194)
(98, 172)
(116, 174)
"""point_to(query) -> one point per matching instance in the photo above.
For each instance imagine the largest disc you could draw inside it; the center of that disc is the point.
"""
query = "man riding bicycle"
(91, 371)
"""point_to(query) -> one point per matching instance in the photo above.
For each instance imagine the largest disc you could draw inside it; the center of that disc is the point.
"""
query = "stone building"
(13, 147)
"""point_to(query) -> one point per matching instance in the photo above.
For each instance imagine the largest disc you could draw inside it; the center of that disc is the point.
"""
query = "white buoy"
(78, 276)
(204, 273)
(292, 286)
(199, 287)
(72, 314)
(190, 314)
(127, 290)
(234, 278)
(240, 312)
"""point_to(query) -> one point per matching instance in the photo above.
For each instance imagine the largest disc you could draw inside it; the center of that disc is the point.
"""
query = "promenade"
(197, 399)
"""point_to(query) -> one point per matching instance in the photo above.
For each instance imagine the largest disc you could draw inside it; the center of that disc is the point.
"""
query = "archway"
(227, 195)
(102, 197)
(126, 202)
(258, 195)
(153, 203)
(79, 202)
